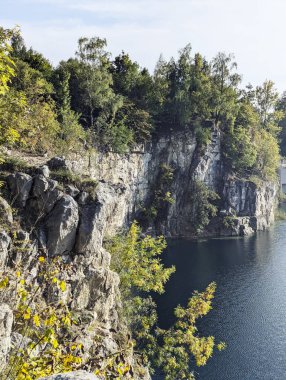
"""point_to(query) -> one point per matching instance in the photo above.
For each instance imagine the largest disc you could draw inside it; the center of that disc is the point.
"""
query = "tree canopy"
(114, 104)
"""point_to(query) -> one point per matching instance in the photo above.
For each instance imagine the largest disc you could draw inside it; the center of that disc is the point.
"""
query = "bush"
(136, 259)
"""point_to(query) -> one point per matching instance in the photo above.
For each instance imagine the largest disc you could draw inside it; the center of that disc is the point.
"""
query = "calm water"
(249, 311)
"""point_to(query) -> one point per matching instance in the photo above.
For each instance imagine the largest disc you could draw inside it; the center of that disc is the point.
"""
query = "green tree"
(181, 341)
(95, 79)
(71, 134)
(281, 106)
(268, 157)
(224, 90)
(266, 101)
(28, 108)
(34, 59)
(125, 74)
(136, 259)
(6, 62)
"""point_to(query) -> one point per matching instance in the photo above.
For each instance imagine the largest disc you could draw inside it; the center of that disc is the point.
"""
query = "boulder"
(20, 185)
(44, 170)
(6, 321)
(45, 194)
(61, 226)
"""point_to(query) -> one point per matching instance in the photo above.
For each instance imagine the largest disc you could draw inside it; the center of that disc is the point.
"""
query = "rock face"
(61, 225)
(251, 205)
(20, 185)
(70, 222)
(6, 320)
(5, 241)
(129, 181)
(55, 223)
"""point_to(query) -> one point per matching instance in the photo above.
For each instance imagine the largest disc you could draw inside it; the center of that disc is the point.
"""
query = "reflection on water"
(249, 310)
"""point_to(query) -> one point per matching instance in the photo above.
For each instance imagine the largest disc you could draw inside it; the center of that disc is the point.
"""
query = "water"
(249, 310)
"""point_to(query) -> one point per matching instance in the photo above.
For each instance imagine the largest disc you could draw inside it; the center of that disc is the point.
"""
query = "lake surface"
(249, 309)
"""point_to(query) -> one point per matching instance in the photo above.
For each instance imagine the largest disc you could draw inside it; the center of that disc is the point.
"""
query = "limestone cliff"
(71, 222)
(126, 184)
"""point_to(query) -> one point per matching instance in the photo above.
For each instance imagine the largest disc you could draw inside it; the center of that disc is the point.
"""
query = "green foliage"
(202, 133)
(50, 332)
(71, 132)
(14, 164)
(161, 198)
(116, 105)
(240, 149)
(202, 205)
(6, 62)
(83, 183)
(266, 99)
(182, 341)
(27, 111)
(95, 80)
(224, 90)
(229, 221)
(137, 261)
(34, 59)
(49, 344)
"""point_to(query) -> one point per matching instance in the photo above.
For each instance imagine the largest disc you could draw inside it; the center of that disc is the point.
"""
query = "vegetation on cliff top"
(114, 104)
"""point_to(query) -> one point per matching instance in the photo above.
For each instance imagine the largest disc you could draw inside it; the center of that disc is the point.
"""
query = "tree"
(268, 157)
(181, 341)
(71, 132)
(136, 259)
(266, 100)
(281, 106)
(224, 89)
(240, 150)
(6, 63)
(34, 59)
(95, 80)
(125, 74)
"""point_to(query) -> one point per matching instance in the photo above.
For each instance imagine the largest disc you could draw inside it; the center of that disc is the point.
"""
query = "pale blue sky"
(254, 30)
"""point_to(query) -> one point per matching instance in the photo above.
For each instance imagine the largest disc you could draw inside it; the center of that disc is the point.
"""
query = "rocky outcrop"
(251, 206)
(5, 242)
(69, 221)
(6, 320)
(61, 225)
(6, 214)
(20, 186)
(55, 223)
(126, 185)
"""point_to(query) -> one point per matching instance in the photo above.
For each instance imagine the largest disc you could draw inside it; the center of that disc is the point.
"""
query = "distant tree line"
(114, 104)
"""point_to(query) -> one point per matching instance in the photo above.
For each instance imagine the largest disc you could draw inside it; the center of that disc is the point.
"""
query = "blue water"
(249, 310)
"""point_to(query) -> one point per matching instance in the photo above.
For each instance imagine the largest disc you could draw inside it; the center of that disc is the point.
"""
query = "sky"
(253, 30)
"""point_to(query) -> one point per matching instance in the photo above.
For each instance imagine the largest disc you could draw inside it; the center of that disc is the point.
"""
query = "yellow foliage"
(137, 261)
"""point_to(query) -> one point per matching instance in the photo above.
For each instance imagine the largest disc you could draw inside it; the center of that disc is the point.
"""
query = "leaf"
(36, 320)
(63, 286)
